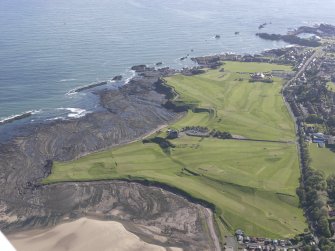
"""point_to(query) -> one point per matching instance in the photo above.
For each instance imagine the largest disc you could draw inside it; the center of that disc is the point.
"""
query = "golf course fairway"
(251, 182)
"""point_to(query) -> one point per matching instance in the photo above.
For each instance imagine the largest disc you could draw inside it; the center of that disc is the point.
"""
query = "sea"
(48, 48)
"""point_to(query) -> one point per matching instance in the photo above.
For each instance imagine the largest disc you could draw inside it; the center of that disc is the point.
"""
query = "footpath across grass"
(252, 184)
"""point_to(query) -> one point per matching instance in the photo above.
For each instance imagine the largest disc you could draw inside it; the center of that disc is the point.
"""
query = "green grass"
(323, 159)
(331, 86)
(254, 67)
(252, 184)
(253, 110)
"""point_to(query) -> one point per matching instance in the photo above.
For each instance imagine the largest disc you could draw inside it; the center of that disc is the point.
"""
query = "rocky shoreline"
(80, 89)
(157, 216)
(129, 112)
(322, 30)
(291, 39)
(16, 117)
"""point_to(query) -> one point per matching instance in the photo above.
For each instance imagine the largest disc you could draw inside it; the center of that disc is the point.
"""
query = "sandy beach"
(81, 235)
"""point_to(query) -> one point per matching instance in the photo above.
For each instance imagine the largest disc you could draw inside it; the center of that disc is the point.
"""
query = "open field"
(252, 184)
(323, 159)
(253, 110)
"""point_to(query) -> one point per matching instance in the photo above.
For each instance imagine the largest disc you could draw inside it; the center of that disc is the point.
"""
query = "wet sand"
(81, 235)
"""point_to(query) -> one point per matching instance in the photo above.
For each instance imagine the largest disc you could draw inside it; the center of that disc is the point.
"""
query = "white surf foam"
(56, 118)
(75, 112)
(71, 92)
(18, 116)
(132, 75)
(67, 80)
(36, 111)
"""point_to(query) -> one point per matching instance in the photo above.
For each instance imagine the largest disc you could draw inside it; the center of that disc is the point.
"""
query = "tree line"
(313, 194)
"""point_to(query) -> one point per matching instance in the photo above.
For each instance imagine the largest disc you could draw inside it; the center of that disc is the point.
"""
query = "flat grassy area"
(331, 86)
(254, 67)
(252, 110)
(323, 159)
(252, 184)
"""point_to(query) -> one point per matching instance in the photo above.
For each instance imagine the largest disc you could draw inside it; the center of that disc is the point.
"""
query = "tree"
(323, 227)
(314, 119)
(331, 187)
(331, 121)
(326, 245)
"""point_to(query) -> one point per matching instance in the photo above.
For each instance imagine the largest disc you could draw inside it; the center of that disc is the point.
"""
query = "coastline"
(131, 112)
(146, 83)
(83, 234)
(158, 217)
(25, 160)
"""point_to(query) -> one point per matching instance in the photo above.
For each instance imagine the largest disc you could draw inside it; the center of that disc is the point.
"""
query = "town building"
(331, 140)
(261, 77)
(318, 138)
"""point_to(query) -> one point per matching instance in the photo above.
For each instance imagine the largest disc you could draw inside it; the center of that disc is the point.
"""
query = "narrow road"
(211, 229)
(303, 68)
(297, 75)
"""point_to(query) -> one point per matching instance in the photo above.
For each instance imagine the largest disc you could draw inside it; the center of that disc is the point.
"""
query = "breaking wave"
(15, 117)
(74, 112)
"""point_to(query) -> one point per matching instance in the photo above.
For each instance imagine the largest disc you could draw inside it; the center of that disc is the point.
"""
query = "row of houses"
(323, 140)
(260, 244)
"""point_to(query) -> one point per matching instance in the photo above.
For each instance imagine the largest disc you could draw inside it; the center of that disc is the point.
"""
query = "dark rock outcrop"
(321, 30)
(142, 68)
(212, 62)
(90, 86)
(130, 112)
(17, 117)
(192, 71)
(292, 39)
(117, 78)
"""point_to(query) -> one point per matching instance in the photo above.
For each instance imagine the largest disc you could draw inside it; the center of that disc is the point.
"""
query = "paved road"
(303, 68)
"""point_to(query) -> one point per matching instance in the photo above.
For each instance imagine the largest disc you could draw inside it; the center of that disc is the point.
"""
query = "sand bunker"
(83, 234)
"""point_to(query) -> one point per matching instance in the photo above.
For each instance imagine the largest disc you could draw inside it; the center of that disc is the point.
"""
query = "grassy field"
(323, 159)
(331, 86)
(252, 184)
(253, 110)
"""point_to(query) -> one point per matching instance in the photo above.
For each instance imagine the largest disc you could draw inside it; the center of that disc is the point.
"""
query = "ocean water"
(50, 47)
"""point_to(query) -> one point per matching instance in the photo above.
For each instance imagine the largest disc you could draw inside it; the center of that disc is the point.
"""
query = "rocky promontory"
(291, 39)
(17, 117)
(322, 30)
(80, 89)
(127, 113)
